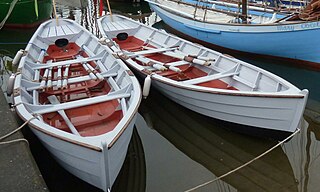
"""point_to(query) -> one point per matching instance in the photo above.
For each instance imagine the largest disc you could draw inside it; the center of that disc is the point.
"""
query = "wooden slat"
(209, 78)
(42, 109)
(246, 82)
(66, 30)
(150, 51)
(60, 31)
(52, 31)
(36, 86)
(67, 62)
(117, 26)
(111, 27)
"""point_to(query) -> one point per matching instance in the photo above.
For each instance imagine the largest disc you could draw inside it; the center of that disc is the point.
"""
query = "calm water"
(175, 149)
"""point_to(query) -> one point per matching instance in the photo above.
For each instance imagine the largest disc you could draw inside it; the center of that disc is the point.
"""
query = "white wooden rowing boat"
(78, 99)
(204, 80)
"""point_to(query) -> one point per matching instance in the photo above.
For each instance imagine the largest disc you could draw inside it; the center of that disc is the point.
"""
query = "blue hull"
(286, 42)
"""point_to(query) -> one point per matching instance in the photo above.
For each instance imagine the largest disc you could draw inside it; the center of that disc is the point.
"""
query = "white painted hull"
(268, 113)
(94, 159)
(87, 164)
(261, 99)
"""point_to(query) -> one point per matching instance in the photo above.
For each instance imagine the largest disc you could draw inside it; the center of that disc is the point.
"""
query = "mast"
(244, 15)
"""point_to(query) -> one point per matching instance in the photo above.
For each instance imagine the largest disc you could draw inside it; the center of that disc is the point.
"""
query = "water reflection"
(303, 152)
(85, 12)
(209, 143)
(177, 149)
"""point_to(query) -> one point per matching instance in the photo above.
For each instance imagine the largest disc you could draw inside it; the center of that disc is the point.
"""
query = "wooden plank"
(150, 51)
(73, 29)
(177, 63)
(52, 32)
(209, 78)
(45, 32)
(111, 27)
(126, 25)
(66, 30)
(42, 109)
(105, 27)
(35, 86)
(117, 26)
(35, 66)
(60, 31)
(246, 82)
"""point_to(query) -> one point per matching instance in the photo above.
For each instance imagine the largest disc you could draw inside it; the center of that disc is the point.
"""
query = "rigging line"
(13, 3)
(245, 164)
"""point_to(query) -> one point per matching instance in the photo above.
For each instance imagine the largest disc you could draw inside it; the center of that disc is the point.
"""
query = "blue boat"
(254, 9)
(289, 39)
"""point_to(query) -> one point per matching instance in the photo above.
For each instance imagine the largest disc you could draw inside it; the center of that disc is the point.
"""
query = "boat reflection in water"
(132, 177)
(210, 143)
(303, 152)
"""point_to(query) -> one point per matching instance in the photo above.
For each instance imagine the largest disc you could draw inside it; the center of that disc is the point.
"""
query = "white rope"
(244, 165)
(13, 141)
(12, 132)
(13, 3)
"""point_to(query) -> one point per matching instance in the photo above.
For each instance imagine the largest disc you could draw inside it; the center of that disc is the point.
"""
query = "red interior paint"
(89, 120)
(188, 71)
(217, 84)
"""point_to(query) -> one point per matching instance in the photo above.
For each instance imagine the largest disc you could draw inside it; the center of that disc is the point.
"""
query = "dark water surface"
(174, 149)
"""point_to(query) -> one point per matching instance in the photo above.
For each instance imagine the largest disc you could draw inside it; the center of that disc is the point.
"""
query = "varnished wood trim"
(126, 125)
(217, 92)
(95, 148)
(230, 93)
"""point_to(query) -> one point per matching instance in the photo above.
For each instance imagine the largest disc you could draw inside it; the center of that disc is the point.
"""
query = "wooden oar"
(54, 100)
(193, 59)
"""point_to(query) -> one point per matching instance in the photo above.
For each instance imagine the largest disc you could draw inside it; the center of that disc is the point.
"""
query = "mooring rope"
(244, 165)
(13, 3)
(13, 141)
(14, 131)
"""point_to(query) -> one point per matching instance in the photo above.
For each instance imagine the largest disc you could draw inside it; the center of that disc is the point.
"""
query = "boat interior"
(89, 120)
(71, 87)
(191, 64)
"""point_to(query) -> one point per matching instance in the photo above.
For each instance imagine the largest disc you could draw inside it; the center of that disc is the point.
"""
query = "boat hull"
(86, 163)
(294, 42)
(89, 142)
(257, 102)
(24, 14)
(270, 113)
